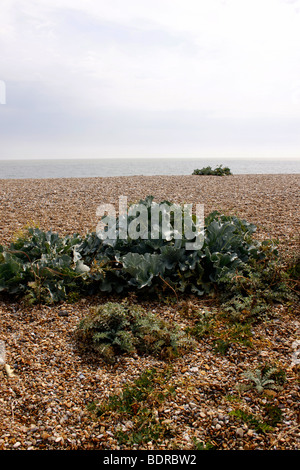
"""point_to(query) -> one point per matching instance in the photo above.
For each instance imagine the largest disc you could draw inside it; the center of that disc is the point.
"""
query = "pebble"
(63, 313)
(240, 432)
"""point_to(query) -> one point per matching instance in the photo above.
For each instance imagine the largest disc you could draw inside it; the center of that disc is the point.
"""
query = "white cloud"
(222, 59)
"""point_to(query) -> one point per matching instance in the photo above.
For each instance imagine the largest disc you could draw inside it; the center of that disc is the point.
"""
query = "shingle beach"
(44, 404)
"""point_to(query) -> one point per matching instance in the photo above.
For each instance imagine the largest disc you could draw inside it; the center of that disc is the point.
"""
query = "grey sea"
(86, 168)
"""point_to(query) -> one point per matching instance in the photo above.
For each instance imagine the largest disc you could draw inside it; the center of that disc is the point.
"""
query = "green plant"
(133, 395)
(251, 292)
(264, 378)
(237, 333)
(218, 171)
(276, 373)
(114, 328)
(221, 346)
(274, 414)
(293, 267)
(204, 325)
(257, 423)
(199, 445)
(224, 332)
(44, 267)
(41, 265)
(138, 401)
(188, 309)
(106, 330)
(293, 274)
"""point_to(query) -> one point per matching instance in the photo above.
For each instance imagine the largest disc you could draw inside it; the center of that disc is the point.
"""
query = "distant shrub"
(218, 171)
(115, 328)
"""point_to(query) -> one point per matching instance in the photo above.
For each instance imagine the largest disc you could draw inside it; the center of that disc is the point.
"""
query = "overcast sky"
(101, 78)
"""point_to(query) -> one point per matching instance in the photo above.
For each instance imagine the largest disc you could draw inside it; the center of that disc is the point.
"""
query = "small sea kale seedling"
(268, 377)
(115, 328)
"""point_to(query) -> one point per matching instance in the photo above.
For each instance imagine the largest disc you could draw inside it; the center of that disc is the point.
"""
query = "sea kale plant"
(45, 267)
(116, 328)
(267, 377)
(218, 171)
(40, 265)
